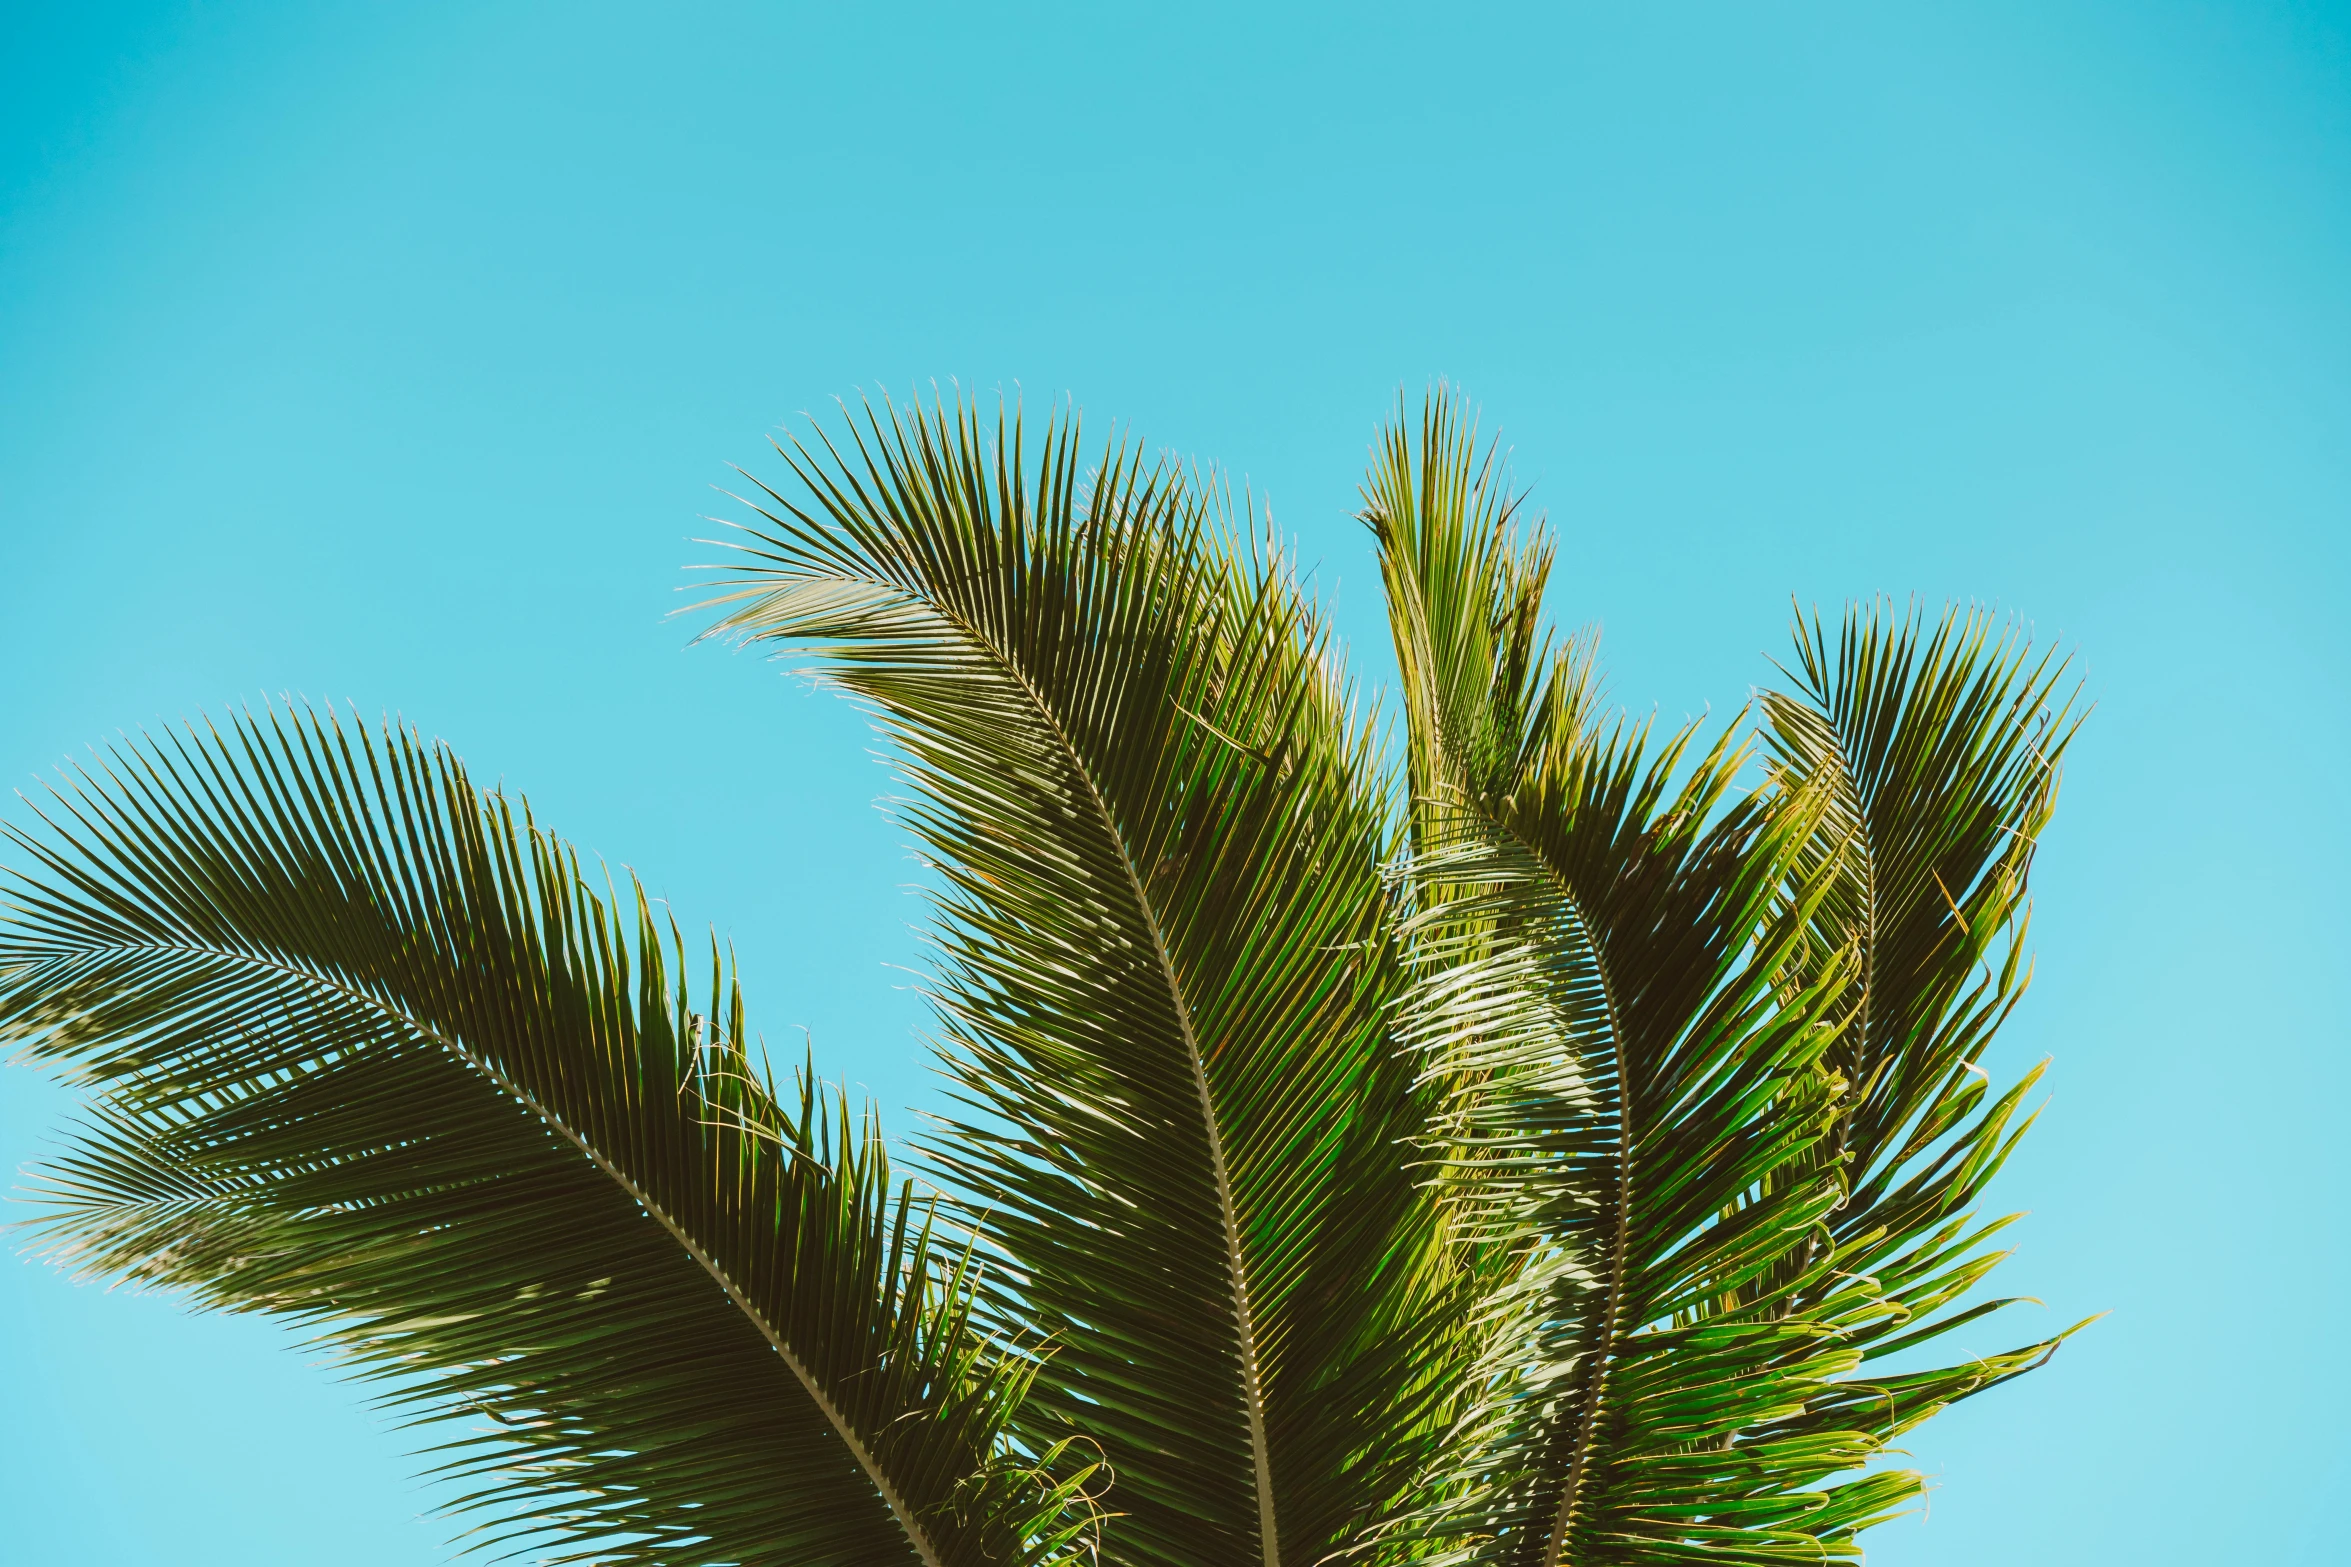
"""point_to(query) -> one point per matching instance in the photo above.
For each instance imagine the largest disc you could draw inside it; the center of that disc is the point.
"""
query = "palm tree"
(1566, 1151)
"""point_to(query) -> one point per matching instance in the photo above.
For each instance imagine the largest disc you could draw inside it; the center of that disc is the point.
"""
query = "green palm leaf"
(1568, 1162)
(369, 1055)
(1647, 1030)
(1168, 962)
(1935, 755)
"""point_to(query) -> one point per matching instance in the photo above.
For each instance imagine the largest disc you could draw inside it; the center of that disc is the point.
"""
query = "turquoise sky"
(388, 354)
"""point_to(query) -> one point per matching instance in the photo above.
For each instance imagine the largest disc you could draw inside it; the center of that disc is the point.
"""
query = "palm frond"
(1649, 1033)
(1464, 577)
(1635, 1098)
(368, 1054)
(1572, 1160)
(1935, 754)
(1168, 960)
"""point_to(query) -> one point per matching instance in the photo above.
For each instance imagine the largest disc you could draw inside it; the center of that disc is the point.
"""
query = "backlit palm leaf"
(1645, 1027)
(1934, 754)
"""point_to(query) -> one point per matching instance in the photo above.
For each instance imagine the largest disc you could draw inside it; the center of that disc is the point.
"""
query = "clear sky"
(389, 354)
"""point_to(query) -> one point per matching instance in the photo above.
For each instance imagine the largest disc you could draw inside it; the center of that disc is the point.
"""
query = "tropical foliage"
(1542, 1140)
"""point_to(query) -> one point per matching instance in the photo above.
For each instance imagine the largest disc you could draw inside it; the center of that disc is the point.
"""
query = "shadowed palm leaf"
(369, 1055)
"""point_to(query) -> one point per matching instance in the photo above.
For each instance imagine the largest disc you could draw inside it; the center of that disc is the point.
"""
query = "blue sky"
(390, 355)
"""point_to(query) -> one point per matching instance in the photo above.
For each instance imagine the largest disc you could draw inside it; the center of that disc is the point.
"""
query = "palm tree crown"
(1561, 1146)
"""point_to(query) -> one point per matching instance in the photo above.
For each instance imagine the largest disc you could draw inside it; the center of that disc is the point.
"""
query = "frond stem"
(1592, 1377)
(1603, 1351)
(1244, 1324)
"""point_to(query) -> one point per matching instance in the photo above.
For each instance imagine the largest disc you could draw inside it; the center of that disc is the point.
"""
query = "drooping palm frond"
(1169, 962)
(369, 1055)
(1641, 1020)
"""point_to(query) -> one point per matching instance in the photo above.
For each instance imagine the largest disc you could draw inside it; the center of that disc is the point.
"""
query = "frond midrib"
(1621, 1200)
(1245, 1330)
(1862, 844)
(1593, 1378)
